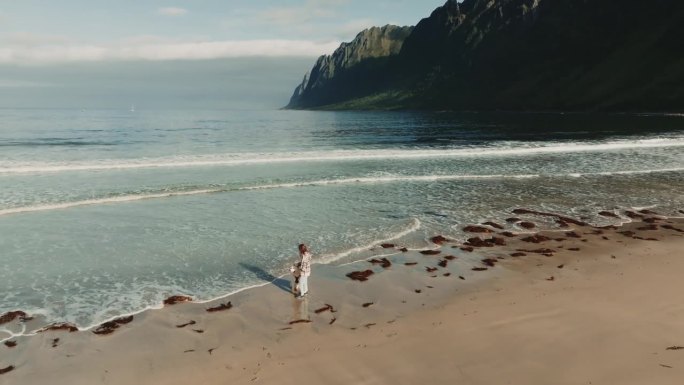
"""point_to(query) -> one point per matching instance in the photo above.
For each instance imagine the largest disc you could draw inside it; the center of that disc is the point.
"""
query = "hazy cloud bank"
(186, 84)
(172, 11)
(201, 50)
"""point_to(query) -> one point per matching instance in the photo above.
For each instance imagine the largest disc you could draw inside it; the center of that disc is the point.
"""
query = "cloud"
(293, 15)
(327, 2)
(353, 27)
(31, 39)
(172, 11)
(14, 83)
(130, 51)
(309, 11)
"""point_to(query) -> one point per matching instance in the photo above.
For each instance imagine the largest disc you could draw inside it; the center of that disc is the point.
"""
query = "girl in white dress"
(305, 269)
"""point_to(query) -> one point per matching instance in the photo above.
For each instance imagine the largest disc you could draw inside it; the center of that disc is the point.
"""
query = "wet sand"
(577, 306)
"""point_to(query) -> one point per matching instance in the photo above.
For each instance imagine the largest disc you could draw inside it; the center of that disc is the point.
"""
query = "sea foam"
(237, 159)
(129, 198)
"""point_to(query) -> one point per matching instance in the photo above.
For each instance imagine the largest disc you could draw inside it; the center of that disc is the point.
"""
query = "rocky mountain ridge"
(372, 43)
(515, 55)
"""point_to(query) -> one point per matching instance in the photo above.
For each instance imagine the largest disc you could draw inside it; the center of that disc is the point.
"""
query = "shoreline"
(598, 112)
(375, 249)
(365, 252)
(266, 315)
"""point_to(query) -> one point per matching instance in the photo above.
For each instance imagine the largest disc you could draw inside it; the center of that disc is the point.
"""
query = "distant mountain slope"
(355, 62)
(515, 55)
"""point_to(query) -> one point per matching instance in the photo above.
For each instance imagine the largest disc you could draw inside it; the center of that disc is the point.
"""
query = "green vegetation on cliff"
(512, 55)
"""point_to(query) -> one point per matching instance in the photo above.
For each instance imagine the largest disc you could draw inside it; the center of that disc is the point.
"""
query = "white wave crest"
(388, 179)
(329, 258)
(322, 182)
(91, 202)
(237, 159)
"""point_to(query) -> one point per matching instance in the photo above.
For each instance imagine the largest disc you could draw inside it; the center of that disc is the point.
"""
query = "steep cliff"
(368, 50)
(524, 55)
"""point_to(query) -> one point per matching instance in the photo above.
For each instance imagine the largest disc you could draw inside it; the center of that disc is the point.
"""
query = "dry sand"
(605, 314)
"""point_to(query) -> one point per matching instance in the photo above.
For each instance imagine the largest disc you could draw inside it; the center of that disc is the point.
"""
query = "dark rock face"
(384, 262)
(633, 215)
(494, 225)
(489, 262)
(327, 82)
(300, 321)
(176, 299)
(438, 239)
(477, 229)
(360, 275)
(111, 326)
(64, 326)
(536, 239)
(7, 369)
(479, 242)
(544, 252)
(12, 315)
(191, 322)
(670, 227)
(220, 307)
(325, 308)
(512, 55)
(527, 225)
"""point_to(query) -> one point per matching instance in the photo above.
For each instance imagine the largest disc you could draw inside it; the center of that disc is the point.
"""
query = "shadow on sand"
(264, 275)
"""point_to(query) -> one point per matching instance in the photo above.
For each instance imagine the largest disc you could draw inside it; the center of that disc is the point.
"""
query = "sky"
(100, 53)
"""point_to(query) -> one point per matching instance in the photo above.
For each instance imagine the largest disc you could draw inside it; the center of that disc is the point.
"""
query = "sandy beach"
(577, 306)
(467, 192)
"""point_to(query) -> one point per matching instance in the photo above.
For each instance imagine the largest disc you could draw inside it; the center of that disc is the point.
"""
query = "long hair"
(302, 248)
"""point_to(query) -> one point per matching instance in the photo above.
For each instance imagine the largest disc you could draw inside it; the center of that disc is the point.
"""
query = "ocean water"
(108, 212)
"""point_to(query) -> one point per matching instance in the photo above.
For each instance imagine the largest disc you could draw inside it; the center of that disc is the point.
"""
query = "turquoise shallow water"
(108, 212)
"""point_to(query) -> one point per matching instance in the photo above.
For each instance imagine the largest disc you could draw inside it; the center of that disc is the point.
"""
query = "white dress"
(306, 264)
